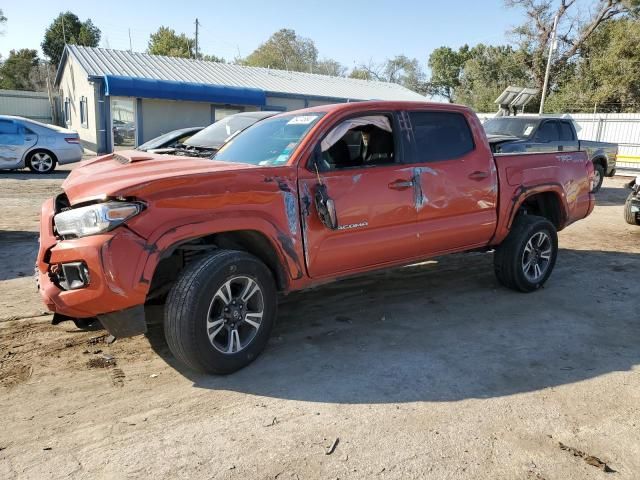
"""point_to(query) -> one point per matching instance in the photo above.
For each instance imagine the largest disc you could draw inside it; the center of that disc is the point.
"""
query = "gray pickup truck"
(544, 134)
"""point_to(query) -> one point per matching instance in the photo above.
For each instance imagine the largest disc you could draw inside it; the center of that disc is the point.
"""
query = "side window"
(84, 117)
(548, 132)
(359, 142)
(7, 127)
(67, 111)
(566, 132)
(440, 136)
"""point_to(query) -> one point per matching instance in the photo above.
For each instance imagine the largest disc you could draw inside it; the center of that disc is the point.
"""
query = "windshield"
(270, 142)
(516, 127)
(215, 135)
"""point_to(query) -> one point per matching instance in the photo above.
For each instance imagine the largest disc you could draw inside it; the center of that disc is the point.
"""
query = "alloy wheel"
(235, 314)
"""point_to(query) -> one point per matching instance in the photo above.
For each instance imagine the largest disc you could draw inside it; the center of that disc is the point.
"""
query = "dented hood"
(119, 173)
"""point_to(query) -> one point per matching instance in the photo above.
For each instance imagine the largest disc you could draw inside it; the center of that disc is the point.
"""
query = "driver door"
(374, 206)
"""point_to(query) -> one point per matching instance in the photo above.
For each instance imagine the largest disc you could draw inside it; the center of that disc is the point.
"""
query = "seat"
(339, 156)
(380, 148)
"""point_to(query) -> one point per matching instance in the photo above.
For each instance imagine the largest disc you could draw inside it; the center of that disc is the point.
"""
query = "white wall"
(33, 105)
(162, 116)
(287, 103)
(74, 85)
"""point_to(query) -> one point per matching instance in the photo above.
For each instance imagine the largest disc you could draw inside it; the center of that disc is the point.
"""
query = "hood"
(501, 138)
(119, 173)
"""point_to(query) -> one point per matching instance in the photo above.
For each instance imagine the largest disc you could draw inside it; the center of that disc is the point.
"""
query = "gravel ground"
(428, 371)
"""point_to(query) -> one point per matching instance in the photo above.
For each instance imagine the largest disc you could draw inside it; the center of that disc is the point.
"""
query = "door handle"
(478, 175)
(401, 184)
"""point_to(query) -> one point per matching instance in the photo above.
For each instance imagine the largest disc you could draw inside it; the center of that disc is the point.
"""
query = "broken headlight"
(96, 218)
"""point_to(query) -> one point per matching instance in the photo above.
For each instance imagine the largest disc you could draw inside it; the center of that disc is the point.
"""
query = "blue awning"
(172, 90)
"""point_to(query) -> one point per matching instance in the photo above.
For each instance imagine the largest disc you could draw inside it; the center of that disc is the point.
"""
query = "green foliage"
(328, 66)
(16, 69)
(76, 33)
(446, 68)
(606, 76)
(166, 42)
(285, 50)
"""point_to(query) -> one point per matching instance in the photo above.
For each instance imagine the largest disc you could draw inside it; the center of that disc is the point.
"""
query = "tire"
(630, 217)
(511, 258)
(200, 293)
(41, 161)
(599, 174)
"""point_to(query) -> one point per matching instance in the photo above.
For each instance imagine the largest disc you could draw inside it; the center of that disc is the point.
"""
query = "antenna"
(64, 35)
(130, 47)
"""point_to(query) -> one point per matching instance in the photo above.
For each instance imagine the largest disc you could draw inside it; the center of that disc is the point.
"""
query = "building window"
(67, 111)
(123, 123)
(220, 113)
(84, 112)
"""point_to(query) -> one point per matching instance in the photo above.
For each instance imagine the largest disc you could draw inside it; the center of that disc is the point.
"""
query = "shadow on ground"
(18, 251)
(28, 175)
(612, 196)
(443, 331)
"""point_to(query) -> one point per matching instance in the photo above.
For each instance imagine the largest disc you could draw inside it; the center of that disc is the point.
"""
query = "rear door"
(373, 202)
(456, 182)
(15, 141)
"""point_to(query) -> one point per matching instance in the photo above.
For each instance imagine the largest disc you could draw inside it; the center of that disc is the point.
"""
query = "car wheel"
(598, 177)
(632, 218)
(41, 162)
(526, 258)
(220, 312)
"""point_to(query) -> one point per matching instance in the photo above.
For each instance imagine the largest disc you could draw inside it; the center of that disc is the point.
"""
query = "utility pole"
(64, 35)
(130, 47)
(546, 73)
(197, 25)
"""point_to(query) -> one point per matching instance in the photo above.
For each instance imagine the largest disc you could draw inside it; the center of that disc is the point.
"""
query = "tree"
(400, 69)
(16, 69)
(3, 20)
(573, 31)
(606, 76)
(285, 50)
(446, 68)
(328, 66)
(67, 26)
(166, 42)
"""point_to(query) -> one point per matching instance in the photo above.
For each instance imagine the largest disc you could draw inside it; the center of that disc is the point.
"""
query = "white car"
(38, 146)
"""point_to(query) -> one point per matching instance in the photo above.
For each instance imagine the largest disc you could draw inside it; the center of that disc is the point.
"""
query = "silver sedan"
(40, 147)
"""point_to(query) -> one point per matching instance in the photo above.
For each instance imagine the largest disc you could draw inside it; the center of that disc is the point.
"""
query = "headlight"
(92, 219)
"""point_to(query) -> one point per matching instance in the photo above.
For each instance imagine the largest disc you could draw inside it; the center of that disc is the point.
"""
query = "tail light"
(75, 140)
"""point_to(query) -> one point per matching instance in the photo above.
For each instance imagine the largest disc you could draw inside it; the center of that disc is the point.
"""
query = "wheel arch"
(547, 204)
(601, 159)
(175, 257)
(37, 149)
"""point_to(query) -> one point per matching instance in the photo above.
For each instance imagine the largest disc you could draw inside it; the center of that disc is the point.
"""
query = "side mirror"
(325, 207)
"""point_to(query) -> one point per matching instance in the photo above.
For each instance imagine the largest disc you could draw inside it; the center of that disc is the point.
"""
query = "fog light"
(73, 276)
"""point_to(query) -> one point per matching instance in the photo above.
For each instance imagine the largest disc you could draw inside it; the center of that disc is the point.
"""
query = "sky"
(350, 31)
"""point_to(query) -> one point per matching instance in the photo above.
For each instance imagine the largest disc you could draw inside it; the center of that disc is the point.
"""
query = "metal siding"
(100, 62)
(33, 105)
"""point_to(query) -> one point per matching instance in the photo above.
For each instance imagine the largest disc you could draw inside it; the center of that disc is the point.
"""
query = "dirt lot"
(429, 371)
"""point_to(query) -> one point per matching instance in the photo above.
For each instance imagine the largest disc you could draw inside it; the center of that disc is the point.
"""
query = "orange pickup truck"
(296, 200)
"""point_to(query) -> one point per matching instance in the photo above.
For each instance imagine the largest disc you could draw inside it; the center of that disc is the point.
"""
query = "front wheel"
(525, 259)
(631, 217)
(220, 312)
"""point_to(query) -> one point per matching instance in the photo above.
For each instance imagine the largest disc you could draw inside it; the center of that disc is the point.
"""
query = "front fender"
(287, 246)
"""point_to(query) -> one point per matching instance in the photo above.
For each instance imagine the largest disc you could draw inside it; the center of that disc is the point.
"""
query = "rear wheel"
(632, 218)
(527, 256)
(220, 312)
(41, 162)
(598, 177)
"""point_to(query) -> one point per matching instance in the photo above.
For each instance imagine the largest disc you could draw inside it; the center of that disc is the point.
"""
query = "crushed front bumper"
(95, 276)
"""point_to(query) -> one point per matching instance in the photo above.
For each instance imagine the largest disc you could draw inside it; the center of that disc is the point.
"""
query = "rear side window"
(566, 132)
(440, 136)
(548, 132)
(8, 127)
